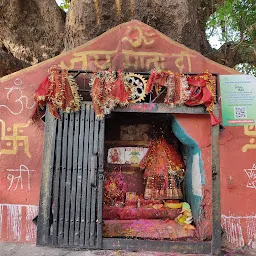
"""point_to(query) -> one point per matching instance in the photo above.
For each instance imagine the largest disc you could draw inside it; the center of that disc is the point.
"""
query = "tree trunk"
(32, 30)
(181, 20)
(9, 64)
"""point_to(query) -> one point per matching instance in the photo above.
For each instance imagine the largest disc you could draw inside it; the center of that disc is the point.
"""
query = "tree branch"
(231, 54)
(32, 30)
(208, 7)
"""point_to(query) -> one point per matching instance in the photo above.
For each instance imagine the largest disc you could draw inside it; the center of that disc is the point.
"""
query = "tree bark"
(9, 64)
(32, 30)
(181, 20)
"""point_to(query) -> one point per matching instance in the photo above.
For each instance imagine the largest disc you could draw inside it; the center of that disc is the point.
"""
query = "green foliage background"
(64, 5)
(235, 21)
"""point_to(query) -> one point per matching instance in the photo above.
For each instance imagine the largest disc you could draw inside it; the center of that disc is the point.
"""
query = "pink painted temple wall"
(132, 46)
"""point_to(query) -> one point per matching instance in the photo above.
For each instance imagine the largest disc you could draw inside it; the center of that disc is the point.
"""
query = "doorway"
(73, 171)
(141, 207)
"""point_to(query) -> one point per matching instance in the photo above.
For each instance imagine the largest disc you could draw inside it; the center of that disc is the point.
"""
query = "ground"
(9, 249)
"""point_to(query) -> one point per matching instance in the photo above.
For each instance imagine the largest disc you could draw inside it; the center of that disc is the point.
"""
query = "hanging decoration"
(59, 91)
(159, 79)
(202, 92)
(175, 83)
(108, 91)
(164, 171)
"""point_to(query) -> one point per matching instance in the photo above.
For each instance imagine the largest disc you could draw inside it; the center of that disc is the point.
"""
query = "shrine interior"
(145, 196)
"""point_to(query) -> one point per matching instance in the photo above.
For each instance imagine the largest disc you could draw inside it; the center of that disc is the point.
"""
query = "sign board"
(238, 100)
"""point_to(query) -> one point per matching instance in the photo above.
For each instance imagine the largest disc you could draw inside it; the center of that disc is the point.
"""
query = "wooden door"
(70, 212)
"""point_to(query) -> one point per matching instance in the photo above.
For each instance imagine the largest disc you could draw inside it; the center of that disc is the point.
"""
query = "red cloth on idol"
(164, 170)
(160, 158)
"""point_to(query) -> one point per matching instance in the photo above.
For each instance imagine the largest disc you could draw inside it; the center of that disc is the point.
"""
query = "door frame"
(212, 247)
(205, 247)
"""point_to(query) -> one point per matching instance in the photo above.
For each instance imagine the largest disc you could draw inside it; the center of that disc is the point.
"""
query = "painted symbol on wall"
(14, 140)
(15, 176)
(136, 35)
(250, 131)
(180, 61)
(17, 96)
(251, 173)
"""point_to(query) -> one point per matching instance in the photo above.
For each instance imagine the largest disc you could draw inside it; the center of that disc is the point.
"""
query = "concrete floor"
(9, 249)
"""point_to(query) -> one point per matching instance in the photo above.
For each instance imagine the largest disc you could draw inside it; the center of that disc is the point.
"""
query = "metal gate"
(70, 211)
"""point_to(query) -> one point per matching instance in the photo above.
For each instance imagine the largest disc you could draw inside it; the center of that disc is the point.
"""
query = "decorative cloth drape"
(176, 84)
(164, 171)
(108, 92)
(202, 89)
(191, 90)
(110, 89)
(59, 91)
